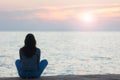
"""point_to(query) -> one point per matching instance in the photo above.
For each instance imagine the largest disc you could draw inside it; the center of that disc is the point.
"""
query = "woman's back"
(30, 63)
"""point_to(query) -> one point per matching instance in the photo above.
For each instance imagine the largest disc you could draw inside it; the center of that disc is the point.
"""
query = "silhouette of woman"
(29, 65)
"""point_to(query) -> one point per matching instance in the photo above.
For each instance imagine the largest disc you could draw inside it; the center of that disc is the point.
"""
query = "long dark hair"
(29, 48)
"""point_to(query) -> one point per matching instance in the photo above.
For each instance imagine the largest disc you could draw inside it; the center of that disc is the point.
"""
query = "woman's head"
(29, 48)
(30, 41)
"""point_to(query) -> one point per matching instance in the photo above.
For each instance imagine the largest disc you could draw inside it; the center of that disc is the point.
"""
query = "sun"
(87, 18)
(86, 21)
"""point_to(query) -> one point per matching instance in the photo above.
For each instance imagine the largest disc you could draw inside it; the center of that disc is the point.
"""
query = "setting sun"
(86, 21)
(87, 17)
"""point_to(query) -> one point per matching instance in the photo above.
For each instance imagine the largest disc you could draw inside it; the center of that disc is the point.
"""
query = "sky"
(63, 15)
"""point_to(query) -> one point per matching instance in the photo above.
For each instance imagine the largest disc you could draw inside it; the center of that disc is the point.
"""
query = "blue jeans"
(33, 74)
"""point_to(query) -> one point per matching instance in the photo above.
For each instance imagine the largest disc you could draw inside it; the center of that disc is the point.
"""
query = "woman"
(28, 66)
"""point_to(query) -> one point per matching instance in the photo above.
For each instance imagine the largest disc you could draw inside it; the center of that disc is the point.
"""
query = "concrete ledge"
(71, 77)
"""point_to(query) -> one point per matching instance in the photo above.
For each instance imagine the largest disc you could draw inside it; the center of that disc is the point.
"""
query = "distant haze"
(63, 15)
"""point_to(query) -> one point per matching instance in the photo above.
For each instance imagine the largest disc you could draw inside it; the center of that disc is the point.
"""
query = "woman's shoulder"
(38, 50)
(21, 49)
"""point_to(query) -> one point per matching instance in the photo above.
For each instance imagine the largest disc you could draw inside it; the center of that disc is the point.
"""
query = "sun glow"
(87, 18)
(86, 21)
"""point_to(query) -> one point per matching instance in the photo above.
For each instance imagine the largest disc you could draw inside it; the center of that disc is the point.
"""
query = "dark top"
(30, 63)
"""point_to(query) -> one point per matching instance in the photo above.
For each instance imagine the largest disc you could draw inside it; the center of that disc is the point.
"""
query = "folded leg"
(42, 66)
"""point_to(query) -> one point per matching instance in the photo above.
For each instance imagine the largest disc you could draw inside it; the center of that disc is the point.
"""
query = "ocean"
(68, 53)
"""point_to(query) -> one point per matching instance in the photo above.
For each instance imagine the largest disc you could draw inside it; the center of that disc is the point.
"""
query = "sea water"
(68, 53)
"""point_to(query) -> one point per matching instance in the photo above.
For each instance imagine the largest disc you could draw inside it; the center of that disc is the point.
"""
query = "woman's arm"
(20, 54)
(39, 54)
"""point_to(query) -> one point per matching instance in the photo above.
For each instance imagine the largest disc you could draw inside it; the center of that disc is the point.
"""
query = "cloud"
(72, 12)
(110, 12)
(48, 13)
